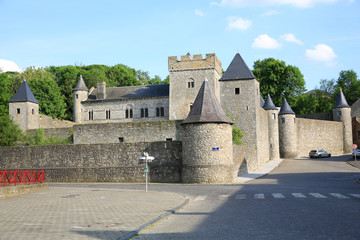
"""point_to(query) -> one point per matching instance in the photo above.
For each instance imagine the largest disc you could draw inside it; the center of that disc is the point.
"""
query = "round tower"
(80, 93)
(24, 108)
(273, 128)
(287, 132)
(342, 113)
(207, 141)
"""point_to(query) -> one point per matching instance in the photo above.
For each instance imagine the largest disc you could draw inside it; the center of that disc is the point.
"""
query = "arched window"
(144, 112)
(160, 111)
(191, 83)
(129, 112)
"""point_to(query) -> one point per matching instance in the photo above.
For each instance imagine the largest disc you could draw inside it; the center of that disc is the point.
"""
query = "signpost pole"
(146, 173)
(354, 146)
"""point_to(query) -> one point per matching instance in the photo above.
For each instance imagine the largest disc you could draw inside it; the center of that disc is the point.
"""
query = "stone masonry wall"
(49, 122)
(129, 132)
(317, 134)
(97, 162)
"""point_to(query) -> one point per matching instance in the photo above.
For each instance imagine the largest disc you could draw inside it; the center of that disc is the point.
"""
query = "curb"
(146, 225)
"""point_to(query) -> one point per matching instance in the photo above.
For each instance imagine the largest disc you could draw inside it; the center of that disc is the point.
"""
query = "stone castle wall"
(263, 139)
(128, 132)
(49, 122)
(117, 162)
(317, 134)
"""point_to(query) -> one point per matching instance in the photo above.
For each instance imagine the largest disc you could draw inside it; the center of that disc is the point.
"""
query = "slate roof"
(237, 70)
(206, 108)
(80, 86)
(132, 92)
(341, 101)
(24, 94)
(285, 108)
(262, 102)
(269, 104)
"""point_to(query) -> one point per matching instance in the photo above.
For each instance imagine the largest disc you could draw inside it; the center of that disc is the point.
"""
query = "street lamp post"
(147, 159)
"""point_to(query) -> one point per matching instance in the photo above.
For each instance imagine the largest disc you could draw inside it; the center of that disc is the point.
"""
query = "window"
(108, 114)
(77, 96)
(191, 106)
(273, 116)
(339, 113)
(283, 120)
(121, 139)
(162, 111)
(159, 111)
(237, 91)
(33, 111)
(91, 115)
(129, 113)
(144, 112)
(18, 111)
(191, 83)
(247, 108)
(294, 120)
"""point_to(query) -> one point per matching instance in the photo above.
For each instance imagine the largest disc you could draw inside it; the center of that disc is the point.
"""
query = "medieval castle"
(198, 109)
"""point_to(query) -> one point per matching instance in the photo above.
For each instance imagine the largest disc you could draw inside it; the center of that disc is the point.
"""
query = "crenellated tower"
(273, 128)
(80, 93)
(342, 113)
(287, 132)
(186, 77)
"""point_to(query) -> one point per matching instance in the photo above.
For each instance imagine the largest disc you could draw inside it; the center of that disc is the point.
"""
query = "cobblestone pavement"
(82, 213)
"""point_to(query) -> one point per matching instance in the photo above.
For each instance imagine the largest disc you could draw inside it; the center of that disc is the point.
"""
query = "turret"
(80, 93)
(273, 127)
(287, 132)
(207, 141)
(24, 108)
(342, 113)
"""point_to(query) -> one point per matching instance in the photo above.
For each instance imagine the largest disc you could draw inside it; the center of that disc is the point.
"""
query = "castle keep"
(193, 116)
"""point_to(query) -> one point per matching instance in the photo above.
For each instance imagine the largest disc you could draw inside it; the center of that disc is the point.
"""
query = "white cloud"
(322, 53)
(238, 23)
(199, 12)
(266, 42)
(265, 3)
(270, 13)
(9, 66)
(289, 37)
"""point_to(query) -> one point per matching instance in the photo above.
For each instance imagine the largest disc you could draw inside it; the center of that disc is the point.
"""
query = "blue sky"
(320, 37)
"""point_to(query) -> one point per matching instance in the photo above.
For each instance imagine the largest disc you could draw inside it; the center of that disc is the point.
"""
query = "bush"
(10, 133)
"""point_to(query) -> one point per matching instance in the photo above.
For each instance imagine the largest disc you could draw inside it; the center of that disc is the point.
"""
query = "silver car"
(319, 154)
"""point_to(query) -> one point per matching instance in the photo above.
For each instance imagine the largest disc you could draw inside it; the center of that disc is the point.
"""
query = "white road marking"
(317, 195)
(240, 196)
(298, 195)
(259, 196)
(338, 195)
(278, 195)
(222, 197)
(201, 198)
(355, 195)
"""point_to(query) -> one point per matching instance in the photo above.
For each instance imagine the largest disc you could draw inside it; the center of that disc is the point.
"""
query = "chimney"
(101, 90)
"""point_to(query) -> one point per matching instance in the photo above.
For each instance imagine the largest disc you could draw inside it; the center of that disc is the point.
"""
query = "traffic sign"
(354, 146)
(146, 169)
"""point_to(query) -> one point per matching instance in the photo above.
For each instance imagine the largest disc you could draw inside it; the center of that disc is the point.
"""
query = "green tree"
(279, 80)
(121, 75)
(6, 93)
(46, 90)
(349, 83)
(10, 133)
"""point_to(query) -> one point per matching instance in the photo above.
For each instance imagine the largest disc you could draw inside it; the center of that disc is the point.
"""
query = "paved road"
(301, 199)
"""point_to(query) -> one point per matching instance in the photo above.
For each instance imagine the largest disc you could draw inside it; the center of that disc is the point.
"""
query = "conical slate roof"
(269, 105)
(206, 108)
(341, 101)
(237, 70)
(80, 86)
(262, 102)
(285, 108)
(24, 94)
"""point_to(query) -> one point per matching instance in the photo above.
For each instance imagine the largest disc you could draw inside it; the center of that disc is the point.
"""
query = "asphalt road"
(300, 199)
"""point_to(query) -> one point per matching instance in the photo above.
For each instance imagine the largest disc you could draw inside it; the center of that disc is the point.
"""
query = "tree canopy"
(279, 80)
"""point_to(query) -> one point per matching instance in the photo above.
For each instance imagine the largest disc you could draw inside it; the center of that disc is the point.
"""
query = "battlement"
(195, 62)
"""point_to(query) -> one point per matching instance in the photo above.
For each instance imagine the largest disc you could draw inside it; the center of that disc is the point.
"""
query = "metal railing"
(18, 177)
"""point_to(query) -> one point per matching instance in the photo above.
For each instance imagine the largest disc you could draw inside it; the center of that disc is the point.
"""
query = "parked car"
(319, 154)
(356, 152)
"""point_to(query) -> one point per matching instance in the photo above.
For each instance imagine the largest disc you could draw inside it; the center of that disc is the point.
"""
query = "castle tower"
(287, 132)
(207, 141)
(186, 77)
(342, 113)
(24, 108)
(80, 93)
(273, 126)
(240, 97)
